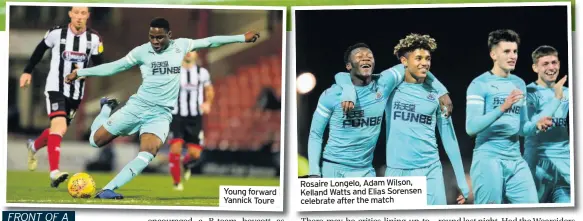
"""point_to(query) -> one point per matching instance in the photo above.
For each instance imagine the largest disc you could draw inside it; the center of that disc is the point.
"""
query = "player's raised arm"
(217, 41)
(452, 149)
(320, 119)
(107, 69)
(476, 119)
(529, 124)
(541, 121)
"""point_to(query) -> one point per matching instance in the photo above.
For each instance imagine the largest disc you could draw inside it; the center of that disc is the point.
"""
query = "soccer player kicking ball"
(496, 114)
(412, 114)
(353, 134)
(149, 110)
(548, 154)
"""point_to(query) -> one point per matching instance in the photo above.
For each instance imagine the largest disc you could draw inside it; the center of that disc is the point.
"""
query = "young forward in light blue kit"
(496, 114)
(412, 114)
(149, 110)
(548, 154)
(353, 134)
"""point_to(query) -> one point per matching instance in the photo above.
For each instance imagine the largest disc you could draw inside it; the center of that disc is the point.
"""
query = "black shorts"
(188, 129)
(60, 106)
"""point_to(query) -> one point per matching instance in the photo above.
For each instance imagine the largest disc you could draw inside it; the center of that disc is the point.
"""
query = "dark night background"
(462, 53)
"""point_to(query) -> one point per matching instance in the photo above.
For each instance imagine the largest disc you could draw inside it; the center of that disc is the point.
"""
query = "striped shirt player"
(72, 46)
(187, 113)
(353, 136)
(67, 51)
(498, 170)
(196, 91)
(548, 153)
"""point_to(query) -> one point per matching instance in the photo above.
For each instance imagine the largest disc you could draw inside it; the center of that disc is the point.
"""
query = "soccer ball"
(81, 185)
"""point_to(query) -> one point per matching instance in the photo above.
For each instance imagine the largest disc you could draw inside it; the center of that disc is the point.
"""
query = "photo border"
(281, 187)
(294, 139)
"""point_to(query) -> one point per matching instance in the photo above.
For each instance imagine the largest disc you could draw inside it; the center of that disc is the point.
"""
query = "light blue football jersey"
(160, 71)
(553, 143)
(497, 132)
(353, 135)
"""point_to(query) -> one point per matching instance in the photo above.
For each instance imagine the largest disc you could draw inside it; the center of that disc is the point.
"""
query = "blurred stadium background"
(242, 132)
(456, 62)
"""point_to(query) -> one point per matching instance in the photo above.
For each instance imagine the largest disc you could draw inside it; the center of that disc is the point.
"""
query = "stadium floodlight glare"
(305, 82)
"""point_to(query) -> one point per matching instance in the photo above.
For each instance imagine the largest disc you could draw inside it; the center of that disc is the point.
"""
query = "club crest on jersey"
(431, 96)
(74, 56)
(379, 95)
(178, 50)
(55, 106)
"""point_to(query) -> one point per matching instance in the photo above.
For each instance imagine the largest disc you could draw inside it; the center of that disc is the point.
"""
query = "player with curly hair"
(496, 113)
(413, 114)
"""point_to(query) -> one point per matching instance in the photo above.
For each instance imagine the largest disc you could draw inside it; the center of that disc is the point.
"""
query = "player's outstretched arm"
(217, 41)
(476, 120)
(107, 69)
(452, 149)
(319, 121)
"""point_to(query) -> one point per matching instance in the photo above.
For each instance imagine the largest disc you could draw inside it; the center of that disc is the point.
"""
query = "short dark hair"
(351, 48)
(413, 42)
(160, 23)
(543, 50)
(500, 35)
(71, 8)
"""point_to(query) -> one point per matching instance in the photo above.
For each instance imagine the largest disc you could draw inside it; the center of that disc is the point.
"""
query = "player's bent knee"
(101, 137)
(150, 143)
(59, 125)
(175, 148)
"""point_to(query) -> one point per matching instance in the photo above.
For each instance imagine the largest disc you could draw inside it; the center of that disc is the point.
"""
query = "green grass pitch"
(145, 189)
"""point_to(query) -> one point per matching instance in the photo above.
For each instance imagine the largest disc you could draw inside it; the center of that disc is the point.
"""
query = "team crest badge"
(379, 95)
(431, 96)
(55, 106)
(177, 50)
